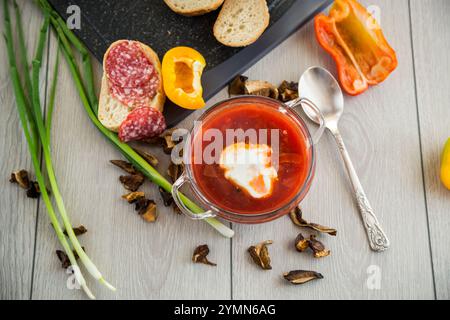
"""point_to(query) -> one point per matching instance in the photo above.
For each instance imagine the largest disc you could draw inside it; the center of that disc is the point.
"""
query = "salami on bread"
(131, 79)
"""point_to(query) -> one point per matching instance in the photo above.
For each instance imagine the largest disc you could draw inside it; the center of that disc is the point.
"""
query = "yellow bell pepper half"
(445, 165)
(182, 69)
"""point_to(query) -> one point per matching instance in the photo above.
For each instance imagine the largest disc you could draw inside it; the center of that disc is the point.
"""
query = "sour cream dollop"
(249, 167)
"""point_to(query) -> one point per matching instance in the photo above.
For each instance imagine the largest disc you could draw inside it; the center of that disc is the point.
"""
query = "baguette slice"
(240, 23)
(193, 7)
(111, 112)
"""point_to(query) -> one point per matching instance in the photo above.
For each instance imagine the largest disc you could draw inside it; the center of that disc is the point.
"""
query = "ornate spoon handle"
(377, 238)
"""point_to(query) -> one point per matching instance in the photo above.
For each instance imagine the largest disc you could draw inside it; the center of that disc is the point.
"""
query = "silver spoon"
(320, 87)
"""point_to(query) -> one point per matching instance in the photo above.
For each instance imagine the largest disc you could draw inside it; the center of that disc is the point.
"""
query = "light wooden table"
(394, 132)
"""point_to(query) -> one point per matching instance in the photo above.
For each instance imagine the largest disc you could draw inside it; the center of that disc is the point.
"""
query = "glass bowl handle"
(183, 179)
(318, 116)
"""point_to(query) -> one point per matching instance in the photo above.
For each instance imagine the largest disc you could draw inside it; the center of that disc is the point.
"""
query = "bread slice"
(111, 112)
(193, 7)
(241, 23)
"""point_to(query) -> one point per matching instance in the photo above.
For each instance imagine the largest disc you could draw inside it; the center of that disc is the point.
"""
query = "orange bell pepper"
(182, 69)
(356, 42)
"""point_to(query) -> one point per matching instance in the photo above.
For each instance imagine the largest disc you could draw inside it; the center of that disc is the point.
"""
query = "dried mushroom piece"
(78, 231)
(151, 159)
(146, 208)
(260, 254)
(318, 248)
(297, 219)
(168, 200)
(302, 276)
(301, 243)
(34, 192)
(141, 204)
(288, 91)
(261, 88)
(167, 141)
(175, 171)
(21, 178)
(237, 86)
(166, 197)
(200, 255)
(64, 259)
(125, 166)
(149, 213)
(132, 197)
(176, 209)
(132, 182)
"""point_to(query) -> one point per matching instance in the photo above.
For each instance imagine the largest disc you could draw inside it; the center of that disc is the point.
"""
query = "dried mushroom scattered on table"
(78, 231)
(21, 178)
(261, 88)
(34, 192)
(147, 156)
(132, 182)
(302, 276)
(125, 166)
(149, 213)
(168, 200)
(296, 216)
(132, 197)
(64, 259)
(62, 256)
(237, 86)
(141, 204)
(167, 141)
(176, 209)
(166, 197)
(318, 248)
(200, 255)
(146, 208)
(175, 171)
(301, 243)
(260, 254)
(288, 91)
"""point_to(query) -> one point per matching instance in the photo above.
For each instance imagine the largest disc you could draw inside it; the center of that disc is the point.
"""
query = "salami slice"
(133, 79)
(141, 124)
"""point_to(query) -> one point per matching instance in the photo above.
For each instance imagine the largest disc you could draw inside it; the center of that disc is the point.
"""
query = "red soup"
(294, 158)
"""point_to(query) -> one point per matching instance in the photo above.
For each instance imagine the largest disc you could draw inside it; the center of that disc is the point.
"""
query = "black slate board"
(153, 23)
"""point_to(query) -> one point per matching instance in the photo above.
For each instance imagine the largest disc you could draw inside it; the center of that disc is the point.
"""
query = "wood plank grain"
(18, 213)
(381, 131)
(144, 261)
(431, 39)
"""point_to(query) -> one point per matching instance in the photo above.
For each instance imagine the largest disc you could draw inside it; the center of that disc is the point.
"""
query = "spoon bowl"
(319, 86)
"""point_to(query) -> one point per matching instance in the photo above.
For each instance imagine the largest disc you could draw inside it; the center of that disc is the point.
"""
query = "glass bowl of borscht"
(248, 160)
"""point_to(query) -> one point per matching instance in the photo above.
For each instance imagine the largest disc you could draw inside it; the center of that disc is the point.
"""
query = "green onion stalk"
(24, 62)
(90, 266)
(27, 118)
(89, 101)
(51, 99)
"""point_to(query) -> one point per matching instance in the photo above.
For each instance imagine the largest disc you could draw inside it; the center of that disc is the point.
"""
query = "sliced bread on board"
(240, 23)
(193, 7)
